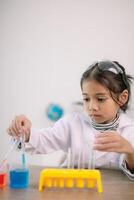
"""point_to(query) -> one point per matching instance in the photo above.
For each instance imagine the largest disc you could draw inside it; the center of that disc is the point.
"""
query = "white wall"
(46, 44)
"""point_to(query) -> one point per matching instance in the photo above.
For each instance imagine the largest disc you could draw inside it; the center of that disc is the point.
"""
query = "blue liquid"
(19, 178)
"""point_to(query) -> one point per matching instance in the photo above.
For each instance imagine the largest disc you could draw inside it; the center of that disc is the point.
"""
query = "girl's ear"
(123, 97)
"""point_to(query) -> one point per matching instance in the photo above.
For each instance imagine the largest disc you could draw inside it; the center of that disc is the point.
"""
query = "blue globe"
(54, 112)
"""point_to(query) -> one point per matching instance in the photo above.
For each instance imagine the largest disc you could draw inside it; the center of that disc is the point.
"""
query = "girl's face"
(98, 103)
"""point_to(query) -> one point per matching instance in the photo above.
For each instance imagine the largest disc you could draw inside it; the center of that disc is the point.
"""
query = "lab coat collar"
(124, 120)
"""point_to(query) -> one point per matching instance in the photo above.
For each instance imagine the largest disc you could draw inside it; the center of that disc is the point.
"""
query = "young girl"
(103, 125)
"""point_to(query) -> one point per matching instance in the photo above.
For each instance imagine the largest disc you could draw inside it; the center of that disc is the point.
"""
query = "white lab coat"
(75, 132)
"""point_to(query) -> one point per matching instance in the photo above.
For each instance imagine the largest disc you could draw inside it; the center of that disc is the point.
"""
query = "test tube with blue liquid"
(19, 174)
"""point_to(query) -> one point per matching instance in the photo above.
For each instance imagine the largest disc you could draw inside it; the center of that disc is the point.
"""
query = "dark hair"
(112, 76)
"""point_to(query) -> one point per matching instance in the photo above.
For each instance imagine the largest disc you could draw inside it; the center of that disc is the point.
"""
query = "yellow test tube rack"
(70, 178)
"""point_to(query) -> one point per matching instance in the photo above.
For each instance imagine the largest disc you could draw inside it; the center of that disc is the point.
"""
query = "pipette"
(23, 155)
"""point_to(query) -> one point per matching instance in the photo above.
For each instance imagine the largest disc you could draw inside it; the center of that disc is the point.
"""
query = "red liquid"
(3, 177)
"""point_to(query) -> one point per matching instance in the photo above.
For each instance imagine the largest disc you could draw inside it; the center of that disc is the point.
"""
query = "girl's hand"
(20, 124)
(111, 141)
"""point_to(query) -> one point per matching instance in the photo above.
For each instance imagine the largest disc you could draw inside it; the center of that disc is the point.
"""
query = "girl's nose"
(93, 106)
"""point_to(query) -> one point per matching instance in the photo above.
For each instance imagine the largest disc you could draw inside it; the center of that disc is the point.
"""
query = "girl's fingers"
(12, 131)
(106, 146)
(15, 128)
(20, 125)
(27, 133)
(104, 140)
(9, 131)
(19, 122)
(107, 138)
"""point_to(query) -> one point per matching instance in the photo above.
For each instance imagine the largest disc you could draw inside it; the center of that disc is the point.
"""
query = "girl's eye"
(86, 99)
(101, 99)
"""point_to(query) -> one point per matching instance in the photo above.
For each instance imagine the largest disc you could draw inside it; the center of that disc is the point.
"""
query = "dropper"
(23, 155)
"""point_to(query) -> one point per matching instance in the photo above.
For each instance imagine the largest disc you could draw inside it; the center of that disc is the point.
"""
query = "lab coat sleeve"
(50, 139)
(124, 168)
(128, 135)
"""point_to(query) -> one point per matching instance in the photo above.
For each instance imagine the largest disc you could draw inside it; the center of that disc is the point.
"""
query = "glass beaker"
(18, 170)
(19, 176)
(3, 178)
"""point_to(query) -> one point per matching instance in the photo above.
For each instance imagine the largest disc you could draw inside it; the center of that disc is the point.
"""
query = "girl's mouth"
(95, 116)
